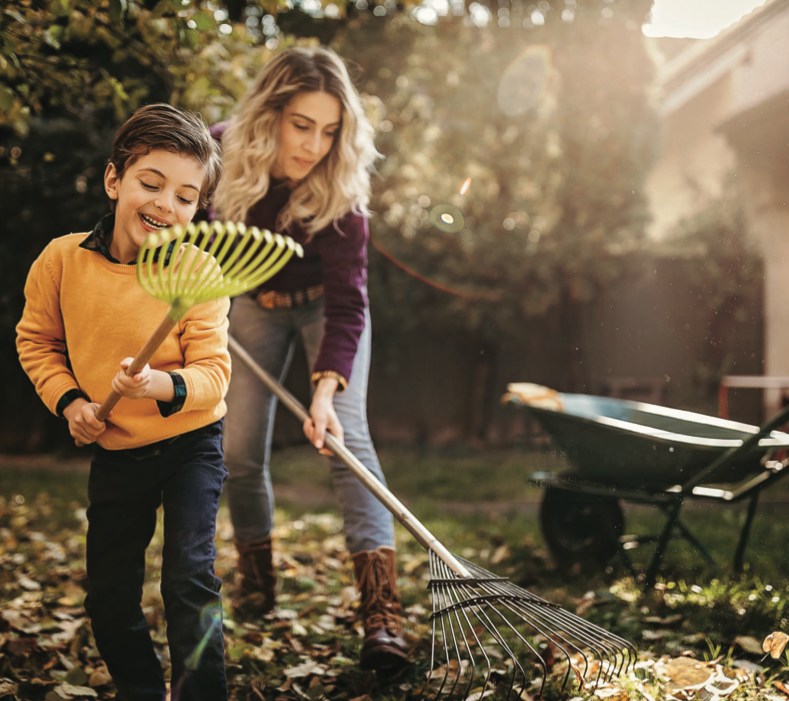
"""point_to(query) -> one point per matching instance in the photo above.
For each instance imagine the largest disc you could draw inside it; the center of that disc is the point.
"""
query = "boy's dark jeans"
(184, 475)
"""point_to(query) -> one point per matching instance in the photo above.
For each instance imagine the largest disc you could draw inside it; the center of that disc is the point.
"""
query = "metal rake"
(483, 625)
(186, 265)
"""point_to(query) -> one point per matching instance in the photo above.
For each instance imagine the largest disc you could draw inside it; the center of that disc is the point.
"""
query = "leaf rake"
(483, 625)
(187, 265)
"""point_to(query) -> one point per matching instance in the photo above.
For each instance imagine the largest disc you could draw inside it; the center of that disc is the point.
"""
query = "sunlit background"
(585, 194)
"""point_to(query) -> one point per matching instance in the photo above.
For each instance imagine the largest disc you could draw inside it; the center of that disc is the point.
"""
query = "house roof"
(705, 61)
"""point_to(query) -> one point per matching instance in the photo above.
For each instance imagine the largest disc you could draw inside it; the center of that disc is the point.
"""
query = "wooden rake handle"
(367, 478)
(156, 339)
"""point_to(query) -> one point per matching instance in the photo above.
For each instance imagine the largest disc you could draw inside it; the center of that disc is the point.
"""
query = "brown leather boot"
(380, 609)
(257, 580)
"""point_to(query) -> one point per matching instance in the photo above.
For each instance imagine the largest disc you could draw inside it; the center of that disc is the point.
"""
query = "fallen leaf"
(69, 691)
(305, 669)
(685, 673)
(781, 687)
(99, 677)
(775, 644)
(749, 644)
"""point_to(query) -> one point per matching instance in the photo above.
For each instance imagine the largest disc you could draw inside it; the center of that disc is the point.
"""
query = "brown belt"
(271, 299)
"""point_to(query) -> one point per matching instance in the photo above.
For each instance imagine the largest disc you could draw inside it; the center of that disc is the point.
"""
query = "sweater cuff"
(179, 397)
(318, 375)
(66, 399)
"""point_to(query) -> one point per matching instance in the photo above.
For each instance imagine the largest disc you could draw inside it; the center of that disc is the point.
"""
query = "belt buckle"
(267, 299)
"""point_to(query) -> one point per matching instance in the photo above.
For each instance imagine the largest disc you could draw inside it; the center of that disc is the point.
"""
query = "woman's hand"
(83, 425)
(322, 416)
(132, 386)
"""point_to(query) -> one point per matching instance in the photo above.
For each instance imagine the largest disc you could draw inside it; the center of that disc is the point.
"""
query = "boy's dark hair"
(162, 126)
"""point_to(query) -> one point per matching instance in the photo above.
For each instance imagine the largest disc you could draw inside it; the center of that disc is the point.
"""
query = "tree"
(516, 136)
(513, 176)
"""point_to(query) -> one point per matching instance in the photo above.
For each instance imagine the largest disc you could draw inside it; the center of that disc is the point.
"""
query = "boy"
(162, 443)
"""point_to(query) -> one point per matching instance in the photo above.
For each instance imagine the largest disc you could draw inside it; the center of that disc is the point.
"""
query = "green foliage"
(551, 127)
(723, 264)
(99, 61)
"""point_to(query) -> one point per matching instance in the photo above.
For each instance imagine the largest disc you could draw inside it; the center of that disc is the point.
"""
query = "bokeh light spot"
(447, 218)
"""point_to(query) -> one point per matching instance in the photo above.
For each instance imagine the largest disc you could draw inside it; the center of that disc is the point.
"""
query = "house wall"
(693, 159)
(725, 106)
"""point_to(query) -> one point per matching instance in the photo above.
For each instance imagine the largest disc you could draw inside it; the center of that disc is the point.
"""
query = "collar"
(100, 238)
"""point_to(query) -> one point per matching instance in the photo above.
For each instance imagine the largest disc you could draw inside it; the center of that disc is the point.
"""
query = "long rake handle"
(367, 478)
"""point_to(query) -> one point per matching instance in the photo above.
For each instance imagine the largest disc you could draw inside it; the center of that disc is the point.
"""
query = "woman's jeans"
(269, 336)
(125, 488)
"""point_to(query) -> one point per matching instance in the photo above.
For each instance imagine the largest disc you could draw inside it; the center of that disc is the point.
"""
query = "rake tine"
(577, 643)
(588, 633)
(613, 653)
(244, 251)
(438, 605)
(486, 595)
(445, 640)
(450, 586)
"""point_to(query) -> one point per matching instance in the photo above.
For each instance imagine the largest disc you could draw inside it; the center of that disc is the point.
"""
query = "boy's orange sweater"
(84, 314)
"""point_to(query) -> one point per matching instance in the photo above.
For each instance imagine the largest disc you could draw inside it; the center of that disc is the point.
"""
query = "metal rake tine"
(435, 621)
(451, 583)
(561, 626)
(458, 607)
(570, 641)
(595, 635)
(493, 631)
(501, 641)
(479, 607)
(571, 634)
(439, 608)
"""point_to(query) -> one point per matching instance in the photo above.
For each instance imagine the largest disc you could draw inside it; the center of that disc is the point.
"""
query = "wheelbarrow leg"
(745, 533)
(662, 543)
(695, 542)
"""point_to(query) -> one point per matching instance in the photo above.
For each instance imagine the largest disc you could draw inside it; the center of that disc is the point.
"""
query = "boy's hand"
(83, 425)
(134, 386)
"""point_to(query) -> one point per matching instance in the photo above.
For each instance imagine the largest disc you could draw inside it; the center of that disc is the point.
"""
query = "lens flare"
(447, 218)
(210, 618)
(523, 84)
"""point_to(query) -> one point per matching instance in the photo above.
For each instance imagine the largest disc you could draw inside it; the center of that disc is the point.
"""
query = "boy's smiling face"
(159, 190)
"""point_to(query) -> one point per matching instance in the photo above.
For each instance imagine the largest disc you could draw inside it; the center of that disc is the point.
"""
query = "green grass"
(469, 495)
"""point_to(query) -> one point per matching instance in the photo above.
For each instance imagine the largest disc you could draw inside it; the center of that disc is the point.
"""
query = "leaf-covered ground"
(696, 641)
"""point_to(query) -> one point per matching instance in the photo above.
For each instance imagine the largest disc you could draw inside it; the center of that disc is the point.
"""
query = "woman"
(297, 158)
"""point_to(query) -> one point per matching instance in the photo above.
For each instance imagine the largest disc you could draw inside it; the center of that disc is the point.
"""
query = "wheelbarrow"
(627, 451)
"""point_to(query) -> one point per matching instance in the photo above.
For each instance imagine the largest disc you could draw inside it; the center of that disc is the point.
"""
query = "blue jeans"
(269, 336)
(125, 489)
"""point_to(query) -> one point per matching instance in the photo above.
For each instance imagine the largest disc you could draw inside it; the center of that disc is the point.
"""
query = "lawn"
(699, 632)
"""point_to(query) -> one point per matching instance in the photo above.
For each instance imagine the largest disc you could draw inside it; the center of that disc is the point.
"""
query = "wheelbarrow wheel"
(581, 530)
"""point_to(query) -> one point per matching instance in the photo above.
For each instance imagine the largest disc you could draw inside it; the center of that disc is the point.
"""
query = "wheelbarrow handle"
(367, 478)
(765, 429)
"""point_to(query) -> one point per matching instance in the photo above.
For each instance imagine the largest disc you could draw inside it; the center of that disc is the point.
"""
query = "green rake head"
(186, 265)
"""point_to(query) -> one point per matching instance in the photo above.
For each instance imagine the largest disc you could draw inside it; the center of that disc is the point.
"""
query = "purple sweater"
(335, 257)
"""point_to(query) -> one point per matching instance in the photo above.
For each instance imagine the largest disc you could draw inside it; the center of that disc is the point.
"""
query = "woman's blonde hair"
(339, 183)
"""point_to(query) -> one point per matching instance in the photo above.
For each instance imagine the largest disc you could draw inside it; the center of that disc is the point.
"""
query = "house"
(724, 105)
